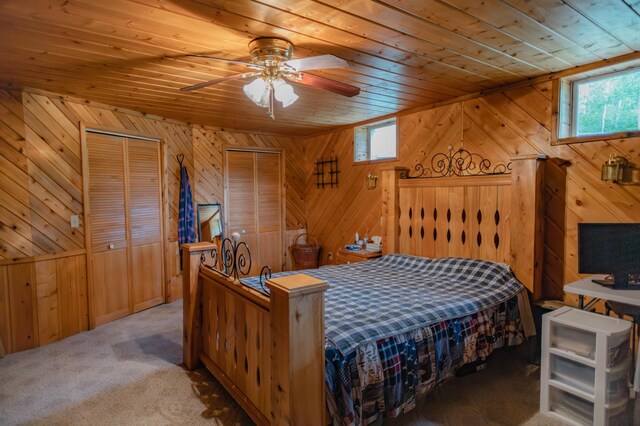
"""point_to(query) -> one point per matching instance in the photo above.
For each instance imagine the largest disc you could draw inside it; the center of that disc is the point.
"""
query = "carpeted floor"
(128, 372)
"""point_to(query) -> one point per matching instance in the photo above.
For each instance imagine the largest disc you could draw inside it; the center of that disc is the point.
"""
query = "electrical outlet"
(330, 257)
(75, 221)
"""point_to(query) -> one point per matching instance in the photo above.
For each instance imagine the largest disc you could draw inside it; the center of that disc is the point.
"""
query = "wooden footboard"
(268, 352)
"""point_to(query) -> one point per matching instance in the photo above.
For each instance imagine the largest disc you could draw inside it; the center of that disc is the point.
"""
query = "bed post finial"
(192, 320)
(390, 209)
(297, 350)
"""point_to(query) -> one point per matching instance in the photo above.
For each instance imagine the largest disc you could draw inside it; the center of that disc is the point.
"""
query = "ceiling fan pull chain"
(271, 94)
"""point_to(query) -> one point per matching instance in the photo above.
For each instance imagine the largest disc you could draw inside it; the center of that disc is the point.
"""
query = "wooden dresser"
(345, 256)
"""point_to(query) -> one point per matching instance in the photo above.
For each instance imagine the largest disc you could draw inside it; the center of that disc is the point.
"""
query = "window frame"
(372, 126)
(574, 97)
(563, 99)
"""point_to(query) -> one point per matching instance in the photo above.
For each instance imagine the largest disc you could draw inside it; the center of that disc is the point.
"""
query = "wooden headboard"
(492, 217)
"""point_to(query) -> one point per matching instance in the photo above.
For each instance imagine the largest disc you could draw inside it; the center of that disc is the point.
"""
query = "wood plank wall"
(208, 145)
(499, 126)
(41, 187)
(42, 301)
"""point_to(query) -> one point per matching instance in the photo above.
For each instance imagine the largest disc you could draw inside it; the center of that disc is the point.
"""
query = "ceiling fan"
(272, 66)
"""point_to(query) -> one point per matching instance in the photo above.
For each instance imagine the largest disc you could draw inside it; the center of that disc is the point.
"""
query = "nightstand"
(345, 256)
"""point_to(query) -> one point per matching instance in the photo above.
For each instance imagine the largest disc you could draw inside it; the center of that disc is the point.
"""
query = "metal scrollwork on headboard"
(236, 261)
(458, 163)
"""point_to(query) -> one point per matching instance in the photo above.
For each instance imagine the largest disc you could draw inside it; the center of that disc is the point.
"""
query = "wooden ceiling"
(403, 53)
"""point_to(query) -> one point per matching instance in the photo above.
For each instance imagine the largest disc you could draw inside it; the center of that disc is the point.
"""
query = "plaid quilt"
(369, 301)
(399, 325)
(388, 377)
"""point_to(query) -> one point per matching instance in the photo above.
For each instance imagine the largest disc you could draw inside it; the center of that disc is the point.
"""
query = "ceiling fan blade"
(317, 63)
(219, 80)
(318, 82)
(231, 61)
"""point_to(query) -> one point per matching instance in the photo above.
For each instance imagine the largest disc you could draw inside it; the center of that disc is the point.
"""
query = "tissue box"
(372, 247)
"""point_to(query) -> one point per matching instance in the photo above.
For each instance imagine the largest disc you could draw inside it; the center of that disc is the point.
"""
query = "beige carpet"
(128, 372)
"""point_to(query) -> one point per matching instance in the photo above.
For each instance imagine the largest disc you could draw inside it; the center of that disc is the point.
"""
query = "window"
(375, 141)
(604, 102)
(607, 104)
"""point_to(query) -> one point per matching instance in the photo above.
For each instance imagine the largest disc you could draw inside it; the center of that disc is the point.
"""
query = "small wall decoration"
(371, 180)
(327, 172)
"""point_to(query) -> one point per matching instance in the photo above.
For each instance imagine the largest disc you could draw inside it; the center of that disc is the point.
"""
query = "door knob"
(111, 246)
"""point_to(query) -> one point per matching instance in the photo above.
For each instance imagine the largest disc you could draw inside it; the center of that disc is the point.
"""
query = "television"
(610, 248)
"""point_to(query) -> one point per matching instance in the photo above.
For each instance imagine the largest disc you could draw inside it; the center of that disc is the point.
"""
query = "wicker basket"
(305, 255)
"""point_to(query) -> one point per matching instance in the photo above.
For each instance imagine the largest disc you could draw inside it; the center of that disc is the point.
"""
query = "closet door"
(145, 218)
(254, 205)
(106, 219)
(269, 214)
(241, 200)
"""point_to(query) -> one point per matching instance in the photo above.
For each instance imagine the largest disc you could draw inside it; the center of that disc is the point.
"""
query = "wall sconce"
(371, 180)
(618, 170)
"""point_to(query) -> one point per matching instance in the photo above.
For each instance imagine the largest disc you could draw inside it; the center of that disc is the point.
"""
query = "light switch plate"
(75, 221)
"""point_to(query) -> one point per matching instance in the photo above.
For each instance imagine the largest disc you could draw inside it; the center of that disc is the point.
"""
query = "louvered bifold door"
(269, 217)
(145, 218)
(254, 205)
(106, 217)
(241, 201)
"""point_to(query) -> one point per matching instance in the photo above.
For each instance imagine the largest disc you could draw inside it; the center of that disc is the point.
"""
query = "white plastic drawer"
(570, 406)
(618, 349)
(617, 386)
(582, 377)
(620, 416)
(572, 374)
(579, 342)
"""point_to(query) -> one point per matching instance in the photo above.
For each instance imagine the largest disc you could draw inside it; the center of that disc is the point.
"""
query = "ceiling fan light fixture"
(272, 65)
(284, 92)
(258, 92)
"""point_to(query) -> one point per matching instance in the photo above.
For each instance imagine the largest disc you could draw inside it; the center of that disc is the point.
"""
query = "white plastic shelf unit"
(585, 368)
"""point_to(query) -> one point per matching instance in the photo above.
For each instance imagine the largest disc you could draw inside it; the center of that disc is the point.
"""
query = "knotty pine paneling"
(16, 239)
(208, 146)
(498, 126)
(41, 187)
(402, 54)
(42, 301)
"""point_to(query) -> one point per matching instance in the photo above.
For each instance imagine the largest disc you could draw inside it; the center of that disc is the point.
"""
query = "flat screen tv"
(610, 248)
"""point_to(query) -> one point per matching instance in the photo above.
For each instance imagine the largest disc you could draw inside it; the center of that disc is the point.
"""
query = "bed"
(287, 361)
